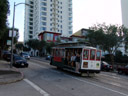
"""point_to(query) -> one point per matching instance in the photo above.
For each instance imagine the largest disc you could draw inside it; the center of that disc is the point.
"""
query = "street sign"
(8, 42)
(14, 34)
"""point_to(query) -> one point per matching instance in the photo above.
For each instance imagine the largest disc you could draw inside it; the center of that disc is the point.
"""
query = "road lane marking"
(38, 65)
(46, 63)
(97, 85)
(37, 87)
(87, 82)
(116, 76)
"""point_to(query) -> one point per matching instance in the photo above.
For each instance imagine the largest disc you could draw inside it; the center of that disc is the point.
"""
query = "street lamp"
(13, 31)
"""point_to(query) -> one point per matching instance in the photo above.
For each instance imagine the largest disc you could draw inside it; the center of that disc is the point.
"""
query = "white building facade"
(124, 6)
(47, 15)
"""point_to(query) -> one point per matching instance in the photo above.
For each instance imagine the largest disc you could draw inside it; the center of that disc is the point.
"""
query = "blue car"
(19, 61)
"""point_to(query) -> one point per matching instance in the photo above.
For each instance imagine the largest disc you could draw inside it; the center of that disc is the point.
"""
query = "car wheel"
(26, 66)
(120, 72)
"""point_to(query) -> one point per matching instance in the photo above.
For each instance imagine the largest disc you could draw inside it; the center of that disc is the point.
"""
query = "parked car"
(105, 66)
(6, 55)
(48, 57)
(19, 61)
(25, 55)
(123, 70)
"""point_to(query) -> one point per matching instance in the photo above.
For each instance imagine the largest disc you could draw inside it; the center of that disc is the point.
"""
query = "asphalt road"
(41, 79)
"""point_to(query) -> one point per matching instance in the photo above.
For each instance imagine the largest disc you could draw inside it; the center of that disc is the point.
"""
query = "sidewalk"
(9, 75)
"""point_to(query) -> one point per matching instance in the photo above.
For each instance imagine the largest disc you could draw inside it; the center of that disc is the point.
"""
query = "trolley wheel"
(59, 68)
(120, 72)
(84, 74)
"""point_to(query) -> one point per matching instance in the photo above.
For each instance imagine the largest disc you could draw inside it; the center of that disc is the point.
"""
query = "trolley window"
(61, 52)
(92, 55)
(85, 54)
(56, 52)
(98, 54)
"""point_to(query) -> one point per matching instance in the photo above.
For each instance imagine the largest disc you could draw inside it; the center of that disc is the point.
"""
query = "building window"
(70, 9)
(70, 18)
(31, 2)
(70, 23)
(49, 36)
(30, 23)
(30, 36)
(70, 32)
(44, 8)
(44, 23)
(30, 32)
(31, 28)
(56, 37)
(70, 14)
(70, 28)
(61, 26)
(70, 5)
(44, 28)
(44, 13)
(30, 19)
(31, 6)
(44, 4)
(31, 14)
(31, 10)
(43, 18)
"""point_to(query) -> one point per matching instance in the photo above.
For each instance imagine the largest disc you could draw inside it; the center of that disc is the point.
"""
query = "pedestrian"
(73, 57)
(77, 62)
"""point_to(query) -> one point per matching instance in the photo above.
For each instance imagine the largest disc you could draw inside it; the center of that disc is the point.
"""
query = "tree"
(5, 37)
(3, 40)
(40, 46)
(36, 44)
(26, 48)
(32, 43)
(4, 11)
(19, 46)
(49, 47)
(108, 37)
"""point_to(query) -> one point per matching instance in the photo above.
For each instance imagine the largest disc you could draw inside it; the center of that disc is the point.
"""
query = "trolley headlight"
(85, 64)
(97, 65)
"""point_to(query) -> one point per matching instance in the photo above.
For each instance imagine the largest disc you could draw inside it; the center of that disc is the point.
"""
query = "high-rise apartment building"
(124, 6)
(47, 15)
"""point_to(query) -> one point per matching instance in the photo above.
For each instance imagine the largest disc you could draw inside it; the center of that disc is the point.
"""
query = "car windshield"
(105, 63)
(126, 66)
(25, 53)
(19, 58)
(6, 52)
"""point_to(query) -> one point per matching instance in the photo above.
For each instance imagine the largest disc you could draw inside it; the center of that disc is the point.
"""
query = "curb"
(15, 79)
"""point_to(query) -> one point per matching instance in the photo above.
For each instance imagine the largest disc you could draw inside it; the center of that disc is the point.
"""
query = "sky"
(86, 13)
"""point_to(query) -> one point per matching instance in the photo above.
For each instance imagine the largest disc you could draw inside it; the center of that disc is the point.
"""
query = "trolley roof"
(66, 47)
